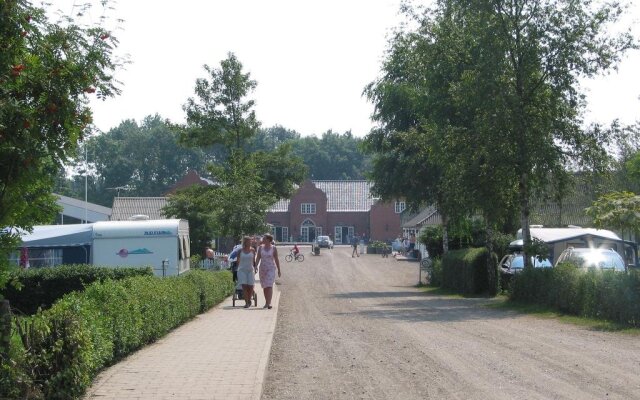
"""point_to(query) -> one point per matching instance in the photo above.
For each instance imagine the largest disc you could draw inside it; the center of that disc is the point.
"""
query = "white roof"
(148, 228)
(551, 235)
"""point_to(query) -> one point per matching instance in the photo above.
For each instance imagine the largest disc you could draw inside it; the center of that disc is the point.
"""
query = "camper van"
(161, 244)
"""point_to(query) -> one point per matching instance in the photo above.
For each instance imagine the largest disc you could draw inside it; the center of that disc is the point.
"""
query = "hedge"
(466, 271)
(85, 331)
(41, 287)
(608, 295)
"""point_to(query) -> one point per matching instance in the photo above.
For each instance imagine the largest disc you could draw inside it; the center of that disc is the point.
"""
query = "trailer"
(161, 244)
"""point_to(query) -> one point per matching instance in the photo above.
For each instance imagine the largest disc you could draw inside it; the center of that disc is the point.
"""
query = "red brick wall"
(307, 193)
(381, 223)
(385, 223)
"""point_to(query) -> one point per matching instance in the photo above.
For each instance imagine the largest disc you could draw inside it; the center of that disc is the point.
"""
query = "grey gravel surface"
(358, 328)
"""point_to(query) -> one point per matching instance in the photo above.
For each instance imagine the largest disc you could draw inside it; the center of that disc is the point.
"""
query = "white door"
(337, 239)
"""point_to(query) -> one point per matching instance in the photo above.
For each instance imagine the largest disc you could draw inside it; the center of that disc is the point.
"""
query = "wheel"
(255, 299)
(300, 258)
(233, 298)
(288, 258)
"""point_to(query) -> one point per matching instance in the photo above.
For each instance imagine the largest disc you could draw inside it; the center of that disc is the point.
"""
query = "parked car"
(592, 258)
(325, 241)
(512, 264)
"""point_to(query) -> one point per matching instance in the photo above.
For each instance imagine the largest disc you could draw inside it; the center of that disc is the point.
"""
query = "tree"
(47, 73)
(496, 96)
(233, 208)
(115, 159)
(522, 84)
(221, 114)
(617, 210)
(247, 183)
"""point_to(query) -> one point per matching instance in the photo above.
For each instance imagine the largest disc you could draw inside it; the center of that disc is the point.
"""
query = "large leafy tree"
(247, 183)
(221, 113)
(115, 159)
(499, 86)
(48, 71)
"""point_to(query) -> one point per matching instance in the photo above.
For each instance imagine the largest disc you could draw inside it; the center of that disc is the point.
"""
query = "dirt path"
(357, 328)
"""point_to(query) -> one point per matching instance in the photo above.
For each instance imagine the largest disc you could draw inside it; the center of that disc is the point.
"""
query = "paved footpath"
(221, 354)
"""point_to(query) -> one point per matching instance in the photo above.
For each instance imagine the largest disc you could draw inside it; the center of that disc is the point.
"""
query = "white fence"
(218, 262)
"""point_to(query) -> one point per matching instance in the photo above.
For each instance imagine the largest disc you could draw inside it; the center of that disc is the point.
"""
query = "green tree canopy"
(221, 112)
(48, 71)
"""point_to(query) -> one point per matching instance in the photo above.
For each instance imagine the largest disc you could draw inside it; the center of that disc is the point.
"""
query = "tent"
(51, 245)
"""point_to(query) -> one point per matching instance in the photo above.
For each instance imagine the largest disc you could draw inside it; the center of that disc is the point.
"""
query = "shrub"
(470, 271)
(62, 348)
(608, 295)
(41, 287)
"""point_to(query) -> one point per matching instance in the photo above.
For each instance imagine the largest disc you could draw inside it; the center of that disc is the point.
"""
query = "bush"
(470, 271)
(608, 295)
(41, 287)
(62, 348)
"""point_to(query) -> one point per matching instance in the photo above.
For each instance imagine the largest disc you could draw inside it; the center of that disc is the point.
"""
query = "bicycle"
(298, 257)
(426, 266)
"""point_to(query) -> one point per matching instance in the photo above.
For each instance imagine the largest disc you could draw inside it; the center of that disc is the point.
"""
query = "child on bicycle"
(295, 250)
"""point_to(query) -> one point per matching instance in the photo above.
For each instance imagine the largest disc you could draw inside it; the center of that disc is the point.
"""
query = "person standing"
(354, 244)
(268, 260)
(247, 270)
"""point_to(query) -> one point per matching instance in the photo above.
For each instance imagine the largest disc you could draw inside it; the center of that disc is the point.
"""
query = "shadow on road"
(418, 307)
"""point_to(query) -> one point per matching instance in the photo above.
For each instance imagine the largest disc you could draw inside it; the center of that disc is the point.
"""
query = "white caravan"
(161, 244)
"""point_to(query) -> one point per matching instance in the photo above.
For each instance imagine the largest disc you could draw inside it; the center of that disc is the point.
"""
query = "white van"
(161, 244)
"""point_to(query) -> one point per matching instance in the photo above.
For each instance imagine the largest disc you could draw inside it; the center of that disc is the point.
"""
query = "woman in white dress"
(268, 259)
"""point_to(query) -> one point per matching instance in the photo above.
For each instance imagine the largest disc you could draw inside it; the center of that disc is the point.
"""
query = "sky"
(311, 60)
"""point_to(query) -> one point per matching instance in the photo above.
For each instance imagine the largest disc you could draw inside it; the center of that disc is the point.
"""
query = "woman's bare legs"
(268, 293)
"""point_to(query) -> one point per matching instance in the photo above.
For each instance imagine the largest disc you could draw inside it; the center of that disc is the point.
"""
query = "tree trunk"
(445, 234)
(524, 218)
(492, 276)
(5, 329)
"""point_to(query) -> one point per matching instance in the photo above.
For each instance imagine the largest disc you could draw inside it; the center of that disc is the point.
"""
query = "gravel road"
(358, 328)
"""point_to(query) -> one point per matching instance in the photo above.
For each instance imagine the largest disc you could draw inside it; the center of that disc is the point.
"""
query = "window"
(400, 206)
(308, 208)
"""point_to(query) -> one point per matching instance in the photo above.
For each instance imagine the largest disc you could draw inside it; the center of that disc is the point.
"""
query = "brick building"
(338, 209)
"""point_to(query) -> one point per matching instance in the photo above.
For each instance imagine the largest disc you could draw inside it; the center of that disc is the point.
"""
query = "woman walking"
(247, 270)
(269, 262)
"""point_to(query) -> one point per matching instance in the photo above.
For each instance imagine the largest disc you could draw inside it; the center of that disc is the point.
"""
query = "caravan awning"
(58, 236)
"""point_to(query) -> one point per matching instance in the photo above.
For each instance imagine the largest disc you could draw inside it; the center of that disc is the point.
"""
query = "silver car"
(593, 258)
(325, 241)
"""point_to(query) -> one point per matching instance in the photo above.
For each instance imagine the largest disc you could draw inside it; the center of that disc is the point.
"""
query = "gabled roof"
(342, 196)
(126, 207)
(428, 215)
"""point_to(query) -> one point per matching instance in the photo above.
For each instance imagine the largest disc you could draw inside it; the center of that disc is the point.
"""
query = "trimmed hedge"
(466, 271)
(85, 331)
(41, 287)
(608, 295)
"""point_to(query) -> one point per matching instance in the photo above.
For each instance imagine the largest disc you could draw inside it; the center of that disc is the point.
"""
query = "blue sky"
(311, 60)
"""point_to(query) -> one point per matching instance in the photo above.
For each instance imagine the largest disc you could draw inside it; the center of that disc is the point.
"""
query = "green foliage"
(481, 102)
(607, 295)
(195, 204)
(116, 161)
(467, 233)
(62, 348)
(332, 156)
(48, 71)
(41, 287)
(468, 271)
(616, 210)
(221, 114)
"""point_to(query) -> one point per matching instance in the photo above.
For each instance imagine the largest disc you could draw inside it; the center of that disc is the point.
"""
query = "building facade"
(338, 209)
